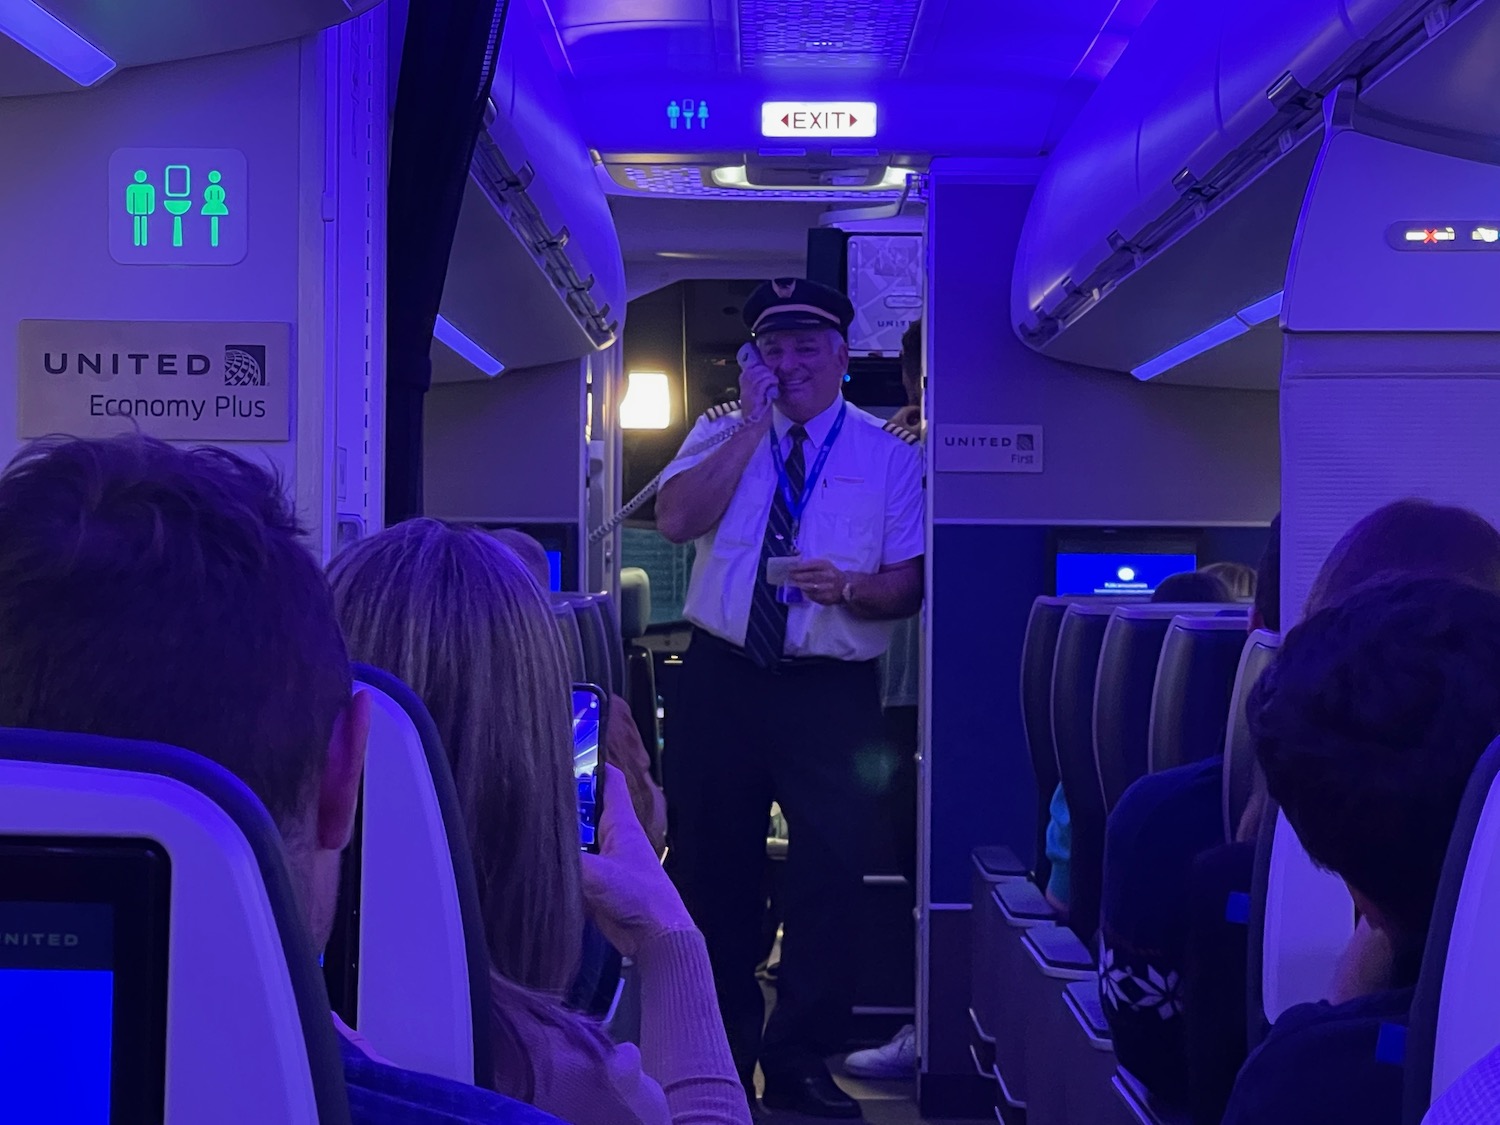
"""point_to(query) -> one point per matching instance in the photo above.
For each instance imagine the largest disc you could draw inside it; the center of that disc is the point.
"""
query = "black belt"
(786, 663)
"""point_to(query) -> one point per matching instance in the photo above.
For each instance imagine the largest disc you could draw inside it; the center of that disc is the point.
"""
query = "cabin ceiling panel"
(146, 32)
(1005, 74)
(864, 34)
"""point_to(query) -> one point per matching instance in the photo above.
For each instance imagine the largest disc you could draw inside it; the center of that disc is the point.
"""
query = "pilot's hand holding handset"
(758, 385)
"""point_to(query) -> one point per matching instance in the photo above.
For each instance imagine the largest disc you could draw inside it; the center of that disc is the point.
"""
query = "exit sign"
(817, 119)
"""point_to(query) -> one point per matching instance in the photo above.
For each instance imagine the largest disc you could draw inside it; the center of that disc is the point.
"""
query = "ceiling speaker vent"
(869, 34)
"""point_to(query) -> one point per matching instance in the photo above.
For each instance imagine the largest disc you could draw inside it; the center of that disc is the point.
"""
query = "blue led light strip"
(1226, 330)
(53, 41)
(467, 348)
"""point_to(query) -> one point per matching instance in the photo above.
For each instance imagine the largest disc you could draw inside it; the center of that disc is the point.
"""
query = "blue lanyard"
(796, 505)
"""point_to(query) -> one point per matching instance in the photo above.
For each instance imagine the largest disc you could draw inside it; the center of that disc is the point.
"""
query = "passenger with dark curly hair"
(1367, 727)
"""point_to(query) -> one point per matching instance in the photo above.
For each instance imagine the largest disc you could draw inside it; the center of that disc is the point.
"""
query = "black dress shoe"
(814, 1094)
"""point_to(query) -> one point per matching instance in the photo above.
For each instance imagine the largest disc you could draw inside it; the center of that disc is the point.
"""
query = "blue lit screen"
(1114, 573)
(586, 763)
(57, 996)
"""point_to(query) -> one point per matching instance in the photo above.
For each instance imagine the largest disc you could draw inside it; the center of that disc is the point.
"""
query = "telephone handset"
(747, 355)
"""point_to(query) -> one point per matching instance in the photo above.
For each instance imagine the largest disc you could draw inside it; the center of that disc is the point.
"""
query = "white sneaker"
(897, 1059)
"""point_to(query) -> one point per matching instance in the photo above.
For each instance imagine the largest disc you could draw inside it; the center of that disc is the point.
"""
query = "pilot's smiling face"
(809, 365)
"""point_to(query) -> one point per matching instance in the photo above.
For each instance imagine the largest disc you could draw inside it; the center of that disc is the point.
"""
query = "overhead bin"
(1158, 216)
(536, 274)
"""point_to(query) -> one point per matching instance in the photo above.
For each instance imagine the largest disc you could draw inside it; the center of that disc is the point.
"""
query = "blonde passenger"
(459, 618)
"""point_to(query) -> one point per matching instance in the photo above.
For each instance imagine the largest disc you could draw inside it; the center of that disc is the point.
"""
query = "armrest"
(1021, 904)
(1058, 953)
(996, 861)
(1082, 998)
(1142, 1105)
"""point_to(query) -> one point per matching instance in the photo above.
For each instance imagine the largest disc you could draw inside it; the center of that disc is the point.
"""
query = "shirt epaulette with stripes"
(901, 432)
(723, 410)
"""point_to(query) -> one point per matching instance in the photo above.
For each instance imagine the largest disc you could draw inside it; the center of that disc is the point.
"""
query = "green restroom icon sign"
(182, 206)
(177, 200)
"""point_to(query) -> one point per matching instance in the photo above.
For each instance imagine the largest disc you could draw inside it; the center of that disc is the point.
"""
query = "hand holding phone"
(758, 385)
(627, 894)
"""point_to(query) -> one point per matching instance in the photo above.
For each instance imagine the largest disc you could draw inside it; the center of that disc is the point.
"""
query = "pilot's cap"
(795, 302)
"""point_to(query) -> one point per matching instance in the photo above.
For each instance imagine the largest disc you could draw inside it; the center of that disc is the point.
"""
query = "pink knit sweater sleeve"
(683, 1046)
(682, 1074)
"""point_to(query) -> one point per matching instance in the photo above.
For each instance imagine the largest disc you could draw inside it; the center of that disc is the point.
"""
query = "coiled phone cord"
(640, 498)
(748, 354)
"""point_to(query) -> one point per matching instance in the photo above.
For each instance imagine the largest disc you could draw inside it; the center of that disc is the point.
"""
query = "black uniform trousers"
(807, 734)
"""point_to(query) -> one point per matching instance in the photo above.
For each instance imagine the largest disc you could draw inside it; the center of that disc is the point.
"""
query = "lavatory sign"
(176, 380)
(178, 206)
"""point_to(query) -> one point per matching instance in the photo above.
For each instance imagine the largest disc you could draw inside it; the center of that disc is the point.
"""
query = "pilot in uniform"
(780, 692)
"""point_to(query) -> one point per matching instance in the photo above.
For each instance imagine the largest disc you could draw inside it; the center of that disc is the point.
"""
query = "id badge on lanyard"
(786, 593)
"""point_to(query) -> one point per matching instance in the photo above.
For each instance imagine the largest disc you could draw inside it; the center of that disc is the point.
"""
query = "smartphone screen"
(588, 761)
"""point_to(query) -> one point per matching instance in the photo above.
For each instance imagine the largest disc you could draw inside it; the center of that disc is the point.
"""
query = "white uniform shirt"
(866, 511)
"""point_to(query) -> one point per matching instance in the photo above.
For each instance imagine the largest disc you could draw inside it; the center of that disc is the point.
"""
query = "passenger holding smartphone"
(623, 745)
(457, 616)
(810, 535)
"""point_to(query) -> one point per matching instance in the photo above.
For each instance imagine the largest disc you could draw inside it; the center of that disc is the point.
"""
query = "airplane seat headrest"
(588, 610)
(1129, 660)
(635, 602)
(1128, 657)
(609, 615)
(1301, 920)
(412, 974)
(179, 939)
(1075, 671)
(1194, 684)
(1239, 753)
(1454, 1019)
(1038, 652)
(572, 636)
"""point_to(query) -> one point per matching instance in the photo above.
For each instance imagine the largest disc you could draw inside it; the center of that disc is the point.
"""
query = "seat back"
(635, 603)
(640, 665)
(1301, 920)
(572, 637)
(1038, 651)
(1038, 654)
(1454, 1019)
(614, 644)
(1128, 661)
(1239, 752)
(1194, 684)
(1074, 675)
(588, 610)
(421, 975)
(173, 942)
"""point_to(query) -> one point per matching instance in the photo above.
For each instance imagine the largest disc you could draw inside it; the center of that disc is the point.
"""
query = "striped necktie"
(765, 634)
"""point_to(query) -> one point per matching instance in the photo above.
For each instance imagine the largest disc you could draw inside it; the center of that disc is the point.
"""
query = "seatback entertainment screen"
(1117, 573)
